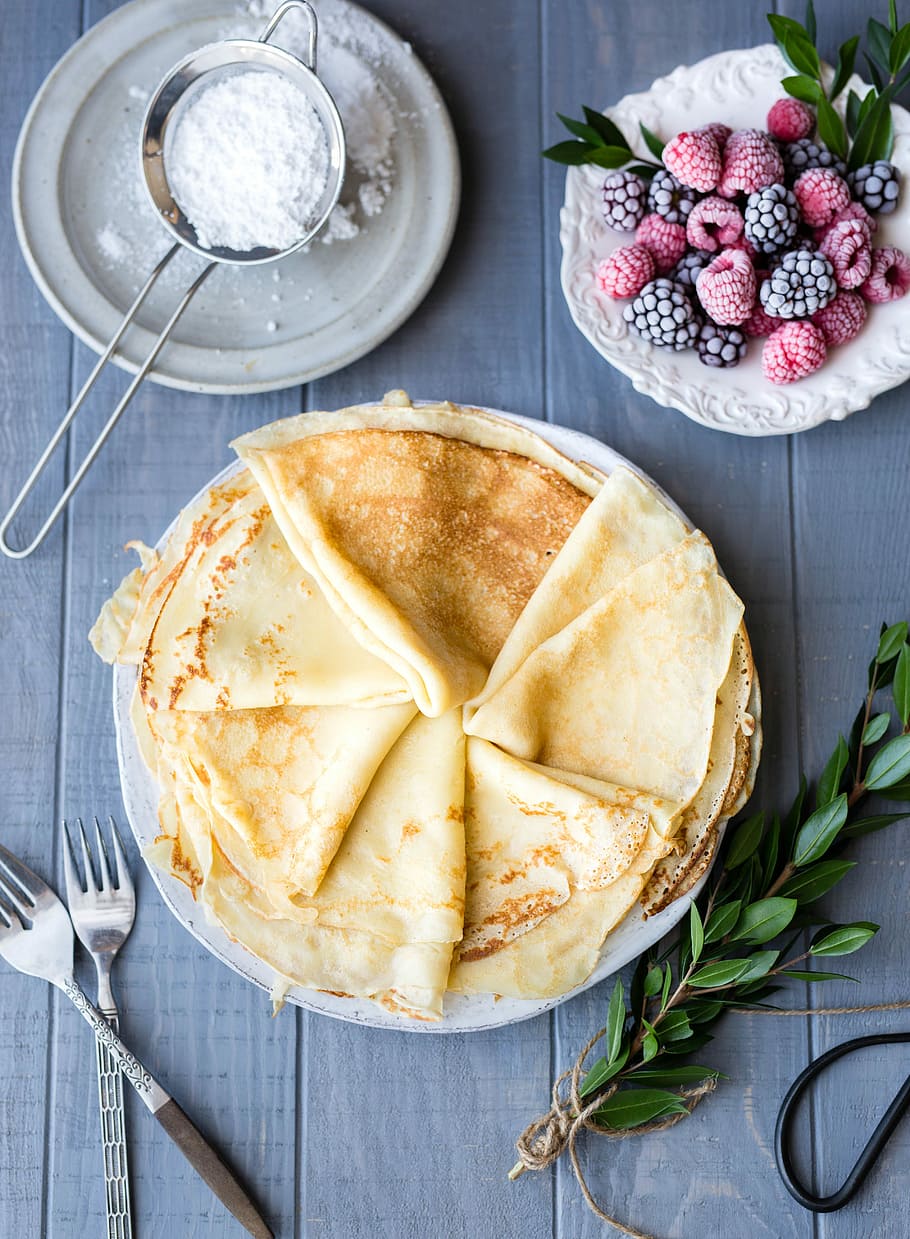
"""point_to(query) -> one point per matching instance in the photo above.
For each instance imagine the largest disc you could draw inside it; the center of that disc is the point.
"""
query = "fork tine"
(101, 859)
(70, 872)
(90, 882)
(14, 897)
(8, 918)
(124, 881)
(32, 886)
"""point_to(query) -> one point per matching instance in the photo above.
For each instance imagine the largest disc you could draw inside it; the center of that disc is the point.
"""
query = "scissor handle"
(279, 15)
(869, 1155)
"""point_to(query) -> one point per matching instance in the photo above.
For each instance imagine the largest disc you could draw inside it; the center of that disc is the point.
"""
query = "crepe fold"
(427, 543)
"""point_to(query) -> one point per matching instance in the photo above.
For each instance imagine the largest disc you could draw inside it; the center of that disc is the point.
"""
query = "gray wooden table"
(348, 1133)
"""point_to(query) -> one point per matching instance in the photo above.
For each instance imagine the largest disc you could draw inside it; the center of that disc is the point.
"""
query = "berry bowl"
(737, 88)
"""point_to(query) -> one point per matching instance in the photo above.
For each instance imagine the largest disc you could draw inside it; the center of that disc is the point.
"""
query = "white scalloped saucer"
(736, 87)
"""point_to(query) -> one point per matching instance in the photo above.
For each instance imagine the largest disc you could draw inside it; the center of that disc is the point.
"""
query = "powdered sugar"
(248, 162)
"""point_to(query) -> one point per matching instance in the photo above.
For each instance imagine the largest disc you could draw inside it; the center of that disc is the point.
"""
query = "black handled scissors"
(869, 1155)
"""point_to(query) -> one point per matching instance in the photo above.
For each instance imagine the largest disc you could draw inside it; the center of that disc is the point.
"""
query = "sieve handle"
(279, 15)
(111, 422)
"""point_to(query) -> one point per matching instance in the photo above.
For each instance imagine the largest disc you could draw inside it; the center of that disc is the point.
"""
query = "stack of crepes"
(430, 705)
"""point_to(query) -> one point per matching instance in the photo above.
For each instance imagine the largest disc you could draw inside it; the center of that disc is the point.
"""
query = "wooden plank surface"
(345, 1132)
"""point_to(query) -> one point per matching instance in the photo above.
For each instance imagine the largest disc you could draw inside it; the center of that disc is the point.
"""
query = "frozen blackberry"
(772, 217)
(689, 267)
(876, 186)
(670, 198)
(663, 314)
(804, 154)
(624, 198)
(801, 284)
(720, 346)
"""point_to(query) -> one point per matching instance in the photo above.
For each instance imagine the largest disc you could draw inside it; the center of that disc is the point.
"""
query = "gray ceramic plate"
(463, 1012)
(90, 236)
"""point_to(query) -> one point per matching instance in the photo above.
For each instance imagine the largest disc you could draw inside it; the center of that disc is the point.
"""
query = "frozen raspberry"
(726, 287)
(624, 197)
(694, 159)
(842, 319)
(751, 161)
(889, 278)
(821, 194)
(848, 249)
(793, 351)
(759, 323)
(718, 131)
(854, 211)
(713, 224)
(626, 271)
(790, 119)
(666, 241)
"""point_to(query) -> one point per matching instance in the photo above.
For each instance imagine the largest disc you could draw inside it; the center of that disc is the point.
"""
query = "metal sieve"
(163, 113)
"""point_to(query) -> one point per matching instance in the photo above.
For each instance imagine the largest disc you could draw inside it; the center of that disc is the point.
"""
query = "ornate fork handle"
(113, 1136)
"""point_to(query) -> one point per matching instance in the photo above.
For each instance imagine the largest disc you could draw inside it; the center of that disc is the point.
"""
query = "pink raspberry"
(847, 247)
(666, 242)
(855, 210)
(793, 351)
(726, 287)
(841, 319)
(626, 271)
(821, 194)
(694, 159)
(790, 119)
(718, 131)
(759, 322)
(713, 224)
(889, 278)
(751, 161)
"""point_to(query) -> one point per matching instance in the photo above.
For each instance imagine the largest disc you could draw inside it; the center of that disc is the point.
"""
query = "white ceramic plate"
(90, 235)
(463, 1013)
(737, 88)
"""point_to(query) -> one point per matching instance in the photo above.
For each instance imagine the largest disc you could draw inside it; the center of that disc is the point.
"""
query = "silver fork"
(36, 937)
(102, 915)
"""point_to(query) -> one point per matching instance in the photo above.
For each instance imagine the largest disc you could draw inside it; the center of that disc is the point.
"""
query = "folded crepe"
(391, 907)
(226, 618)
(626, 692)
(427, 529)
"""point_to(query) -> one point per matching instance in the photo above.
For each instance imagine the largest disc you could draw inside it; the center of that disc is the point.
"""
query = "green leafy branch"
(867, 131)
(597, 140)
(749, 930)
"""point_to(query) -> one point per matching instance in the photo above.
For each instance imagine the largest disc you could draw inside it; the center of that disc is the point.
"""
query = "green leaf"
(878, 40)
(799, 974)
(901, 687)
(704, 1010)
(697, 930)
(690, 1046)
(665, 991)
(761, 964)
(833, 773)
(722, 920)
(869, 825)
(616, 1018)
(846, 58)
(900, 791)
(810, 23)
(845, 939)
(632, 1107)
(874, 72)
(765, 919)
(889, 765)
(653, 981)
(899, 52)
(876, 728)
(892, 638)
(571, 153)
(674, 1026)
(652, 141)
(812, 883)
(609, 156)
(794, 42)
(802, 87)
(831, 129)
(892, 16)
(609, 133)
(819, 831)
(745, 841)
(853, 106)
(601, 1073)
(668, 1076)
(723, 972)
(649, 1046)
(793, 818)
(642, 169)
(585, 132)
